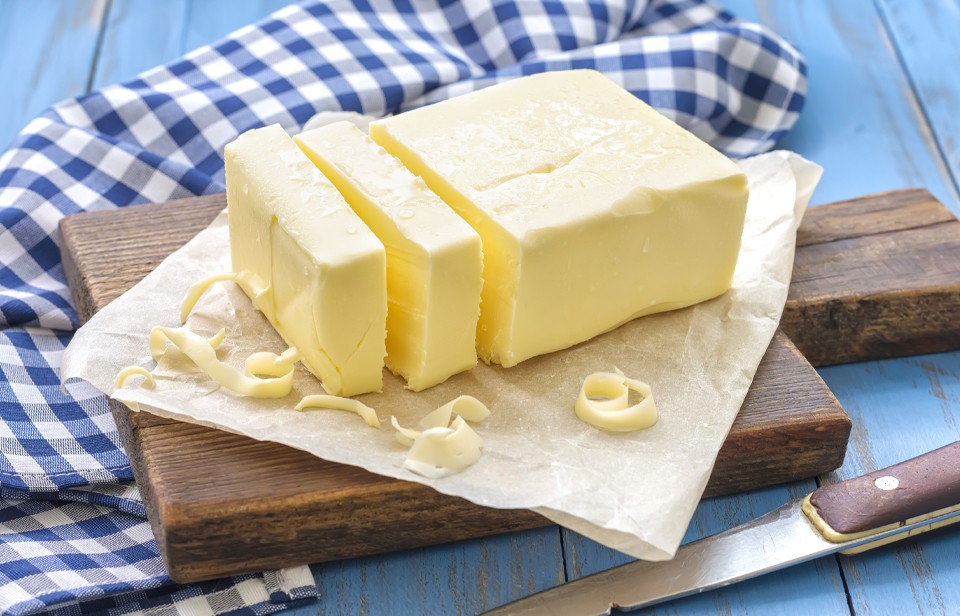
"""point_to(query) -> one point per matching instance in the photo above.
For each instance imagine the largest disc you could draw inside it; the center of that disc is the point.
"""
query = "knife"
(853, 516)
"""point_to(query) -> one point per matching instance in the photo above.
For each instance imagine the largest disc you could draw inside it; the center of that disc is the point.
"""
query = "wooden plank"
(860, 120)
(210, 20)
(180, 221)
(786, 427)
(900, 256)
(133, 43)
(462, 578)
(137, 36)
(106, 252)
(926, 37)
(864, 123)
(47, 49)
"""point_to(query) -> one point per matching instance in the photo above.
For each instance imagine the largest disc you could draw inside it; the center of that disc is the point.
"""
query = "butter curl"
(252, 284)
(443, 447)
(613, 412)
(202, 352)
(133, 371)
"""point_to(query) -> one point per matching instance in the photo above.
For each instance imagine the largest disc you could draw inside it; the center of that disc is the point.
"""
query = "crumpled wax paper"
(635, 492)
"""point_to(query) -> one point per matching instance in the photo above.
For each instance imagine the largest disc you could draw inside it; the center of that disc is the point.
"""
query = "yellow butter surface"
(434, 257)
(593, 208)
(325, 270)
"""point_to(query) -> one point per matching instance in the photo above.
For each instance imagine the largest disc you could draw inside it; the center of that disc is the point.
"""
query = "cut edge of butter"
(324, 269)
(434, 258)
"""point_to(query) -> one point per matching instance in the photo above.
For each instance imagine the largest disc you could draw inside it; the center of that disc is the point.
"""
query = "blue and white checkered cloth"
(73, 538)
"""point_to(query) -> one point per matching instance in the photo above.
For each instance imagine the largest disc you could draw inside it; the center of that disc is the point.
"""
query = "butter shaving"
(133, 371)
(438, 452)
(246, 280)
(404, 436)
(467, 407)
(612, 412)
(271, 364)
(215, 340)
(202, 352)
(338, 403)
(443, 448)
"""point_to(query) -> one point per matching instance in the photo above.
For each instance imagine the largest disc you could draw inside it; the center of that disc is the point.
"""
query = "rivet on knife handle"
(921, 488)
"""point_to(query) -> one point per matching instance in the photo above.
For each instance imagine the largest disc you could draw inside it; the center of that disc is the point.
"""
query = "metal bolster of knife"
(908, 493)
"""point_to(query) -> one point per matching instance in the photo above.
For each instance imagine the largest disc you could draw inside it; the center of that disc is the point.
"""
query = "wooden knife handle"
(911, 489)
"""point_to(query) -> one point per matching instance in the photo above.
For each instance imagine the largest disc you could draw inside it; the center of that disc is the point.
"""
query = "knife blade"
(853, 516)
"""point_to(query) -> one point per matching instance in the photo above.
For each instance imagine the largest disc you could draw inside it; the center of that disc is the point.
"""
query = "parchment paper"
(635, 492)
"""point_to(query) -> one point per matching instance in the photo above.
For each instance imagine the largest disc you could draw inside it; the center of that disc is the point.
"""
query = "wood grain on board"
(274, 505)
(896, 255)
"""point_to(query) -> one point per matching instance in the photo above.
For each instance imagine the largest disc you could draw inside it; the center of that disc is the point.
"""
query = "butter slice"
(593, 208)
(434, 258)
(325, 269)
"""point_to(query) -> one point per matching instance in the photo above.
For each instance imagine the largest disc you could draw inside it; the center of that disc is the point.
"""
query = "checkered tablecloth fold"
(77, 558)
(73, 538)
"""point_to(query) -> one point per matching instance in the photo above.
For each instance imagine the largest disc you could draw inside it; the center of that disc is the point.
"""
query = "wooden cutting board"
(873, 277)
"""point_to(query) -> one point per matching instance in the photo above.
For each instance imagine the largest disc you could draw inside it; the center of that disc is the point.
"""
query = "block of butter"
(592, 207)
(434, 257)
(325, 270)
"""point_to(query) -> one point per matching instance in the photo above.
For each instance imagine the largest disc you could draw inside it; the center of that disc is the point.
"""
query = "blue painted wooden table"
(880, 115)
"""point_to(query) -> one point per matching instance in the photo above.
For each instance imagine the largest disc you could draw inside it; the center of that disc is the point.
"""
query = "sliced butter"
(434, 258)
(593, 208)
(325, 271)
